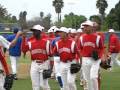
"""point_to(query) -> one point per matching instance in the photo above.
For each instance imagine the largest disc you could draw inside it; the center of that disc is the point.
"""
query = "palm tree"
(58, 4)
(22, 19)
(102, 5)
(41, 15)
(3, 11)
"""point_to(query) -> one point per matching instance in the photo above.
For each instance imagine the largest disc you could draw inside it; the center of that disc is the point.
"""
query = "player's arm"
(102, 53)
(3, 62)
(4, 43)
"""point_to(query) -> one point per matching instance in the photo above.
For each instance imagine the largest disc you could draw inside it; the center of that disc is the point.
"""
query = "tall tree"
(47, 21)
(73, 21)
(58, 4)
(14, 19)
(102, 5)
(22, 19)
(41, 15)
(113, 18)
(3, 11)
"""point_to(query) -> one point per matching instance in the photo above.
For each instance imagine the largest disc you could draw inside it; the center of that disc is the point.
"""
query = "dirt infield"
(23, 70)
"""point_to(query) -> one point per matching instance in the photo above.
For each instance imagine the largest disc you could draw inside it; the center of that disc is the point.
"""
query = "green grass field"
(110, 80)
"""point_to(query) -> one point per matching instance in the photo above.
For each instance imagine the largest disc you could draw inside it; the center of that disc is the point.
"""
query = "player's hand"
(19, 33)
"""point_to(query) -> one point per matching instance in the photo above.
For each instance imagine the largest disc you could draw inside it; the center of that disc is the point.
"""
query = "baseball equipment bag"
(95, 55)
(75, 68)
(8, 81)
(47, 73)
(106, 64)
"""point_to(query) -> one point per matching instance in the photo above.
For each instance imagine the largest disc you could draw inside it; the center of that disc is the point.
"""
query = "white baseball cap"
(73, 31)
(79, 30)
(37, 27)
(81, 26)
(111, 30)
(56, 29)
(69, 29)
(50, 30)
(53, 27)
(64, 29)
(88, 22)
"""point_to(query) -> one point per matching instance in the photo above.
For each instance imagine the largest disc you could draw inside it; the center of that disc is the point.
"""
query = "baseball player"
(39, 48)
(113, 47)
(56, 57)
(14, 52)
(79, 33)
(3, 65)
(51, 37)
(90, 42)
(66, 48)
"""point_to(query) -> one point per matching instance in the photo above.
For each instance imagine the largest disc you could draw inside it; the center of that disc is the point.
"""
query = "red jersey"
(51, 36)
(90, 42)
(66, 48)
(113, 43)
(39, 49)
(44, 35)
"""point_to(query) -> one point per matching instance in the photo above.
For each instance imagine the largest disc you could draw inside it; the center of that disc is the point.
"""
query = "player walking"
(40, 50)
(89, 43)
(66, 48)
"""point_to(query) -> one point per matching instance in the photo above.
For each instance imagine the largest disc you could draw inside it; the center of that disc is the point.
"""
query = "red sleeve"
(114, 45)
(24, 46)
(77, 55)
(101, 47)
(4, 63)
(54, 50)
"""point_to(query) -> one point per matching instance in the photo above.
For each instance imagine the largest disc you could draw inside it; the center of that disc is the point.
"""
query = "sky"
(34, 7)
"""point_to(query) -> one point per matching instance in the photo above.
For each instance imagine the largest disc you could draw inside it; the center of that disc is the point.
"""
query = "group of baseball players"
(58, 50)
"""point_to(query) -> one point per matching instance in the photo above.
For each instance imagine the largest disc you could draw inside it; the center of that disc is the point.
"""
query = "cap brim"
(34, 29)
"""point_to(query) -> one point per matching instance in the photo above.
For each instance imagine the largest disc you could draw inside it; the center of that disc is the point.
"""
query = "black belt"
(39, 61)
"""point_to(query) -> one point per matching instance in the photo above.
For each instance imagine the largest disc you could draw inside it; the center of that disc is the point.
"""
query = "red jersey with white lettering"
(39, 49)
(113, 43)
(66, 48)
(90, 42)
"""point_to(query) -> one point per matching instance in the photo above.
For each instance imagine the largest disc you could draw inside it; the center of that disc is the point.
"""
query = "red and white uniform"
(113, 43)
(3, 64)
(90, 67)
(39, 50)
(67, 50)
(51, 37)
(113, 48)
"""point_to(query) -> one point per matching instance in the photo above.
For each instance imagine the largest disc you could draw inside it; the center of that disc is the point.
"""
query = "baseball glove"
(106, 64)
(8, 81)
(75, 68)
(47, 73)
(95, 55)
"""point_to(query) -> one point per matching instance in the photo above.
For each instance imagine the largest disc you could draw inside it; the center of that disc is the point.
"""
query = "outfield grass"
(110, 80)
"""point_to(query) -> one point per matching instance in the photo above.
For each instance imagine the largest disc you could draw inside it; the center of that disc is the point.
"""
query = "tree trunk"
(58, 17)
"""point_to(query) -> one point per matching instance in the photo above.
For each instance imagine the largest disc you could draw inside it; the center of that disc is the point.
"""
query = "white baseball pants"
(14, 63)
(57, 66)
(114, 60)
(90, 72)
(2, 79)
(67, 77)
(36, 74)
